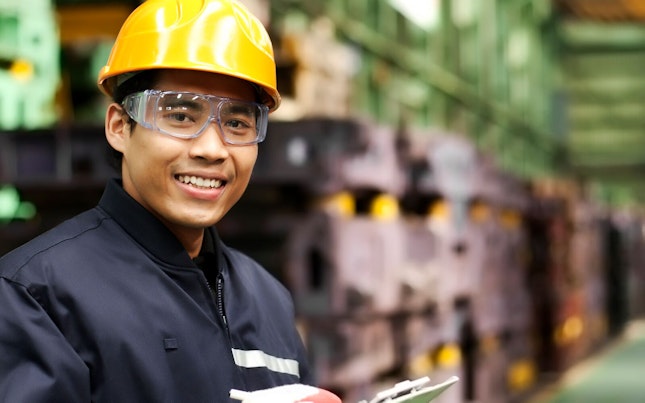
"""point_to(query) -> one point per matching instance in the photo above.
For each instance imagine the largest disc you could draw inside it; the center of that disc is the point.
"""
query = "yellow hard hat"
(218, 36)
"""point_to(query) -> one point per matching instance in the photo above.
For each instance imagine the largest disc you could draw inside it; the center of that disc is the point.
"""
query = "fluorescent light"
(423, 13)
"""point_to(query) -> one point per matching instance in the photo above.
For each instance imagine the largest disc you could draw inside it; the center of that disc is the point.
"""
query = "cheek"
(246, 162)
(146, 158)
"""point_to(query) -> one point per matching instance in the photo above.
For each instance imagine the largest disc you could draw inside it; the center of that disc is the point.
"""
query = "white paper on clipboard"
(413, 391)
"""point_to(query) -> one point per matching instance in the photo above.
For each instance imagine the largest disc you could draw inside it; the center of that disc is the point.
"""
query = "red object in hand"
(295, 393)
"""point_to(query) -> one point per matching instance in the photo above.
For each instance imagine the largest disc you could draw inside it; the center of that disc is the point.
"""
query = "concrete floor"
(615, 375)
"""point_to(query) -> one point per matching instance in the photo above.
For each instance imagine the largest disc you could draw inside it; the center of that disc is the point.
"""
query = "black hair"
(141, 81)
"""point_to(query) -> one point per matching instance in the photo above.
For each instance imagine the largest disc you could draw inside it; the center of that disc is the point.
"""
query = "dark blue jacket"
(109, 307)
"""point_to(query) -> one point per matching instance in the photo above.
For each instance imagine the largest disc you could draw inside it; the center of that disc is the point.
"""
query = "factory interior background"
(450, 187)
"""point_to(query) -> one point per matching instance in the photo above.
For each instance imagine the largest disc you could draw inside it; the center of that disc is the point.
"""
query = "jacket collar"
(146, 229)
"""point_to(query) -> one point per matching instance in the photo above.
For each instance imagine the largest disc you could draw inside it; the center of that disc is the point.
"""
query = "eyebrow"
(241, 107)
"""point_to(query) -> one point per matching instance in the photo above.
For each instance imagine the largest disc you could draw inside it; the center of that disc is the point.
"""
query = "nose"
(210, 145)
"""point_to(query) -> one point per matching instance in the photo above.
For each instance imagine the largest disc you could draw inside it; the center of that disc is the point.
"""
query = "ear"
(117, 128)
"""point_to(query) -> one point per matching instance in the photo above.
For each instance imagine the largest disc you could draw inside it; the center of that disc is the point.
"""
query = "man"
(137, 300)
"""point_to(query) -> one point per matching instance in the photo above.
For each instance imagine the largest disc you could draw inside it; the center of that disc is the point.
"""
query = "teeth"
(200, 182)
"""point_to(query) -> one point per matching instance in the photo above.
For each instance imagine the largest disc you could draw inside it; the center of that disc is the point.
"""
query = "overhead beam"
(603, 10)
(79, 23)
(604, 113)
(588, 128)
(442, 79)
(604, 65)
(608, 156)
(605, 89)
(597, 36)
(608, 140)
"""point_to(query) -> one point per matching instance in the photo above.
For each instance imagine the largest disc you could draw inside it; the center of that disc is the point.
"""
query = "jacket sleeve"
(37, 364)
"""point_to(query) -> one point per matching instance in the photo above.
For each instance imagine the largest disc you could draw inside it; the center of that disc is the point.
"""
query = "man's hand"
(295, 393)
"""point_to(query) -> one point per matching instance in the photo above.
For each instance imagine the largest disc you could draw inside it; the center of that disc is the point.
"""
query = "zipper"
(219, 299)
(218, 296)
(219, 302)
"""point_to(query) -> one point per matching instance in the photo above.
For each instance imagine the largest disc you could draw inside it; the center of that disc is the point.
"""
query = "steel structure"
(483, 68)
(601, 57)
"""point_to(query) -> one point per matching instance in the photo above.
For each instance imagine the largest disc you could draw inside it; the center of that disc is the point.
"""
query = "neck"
(191, 240)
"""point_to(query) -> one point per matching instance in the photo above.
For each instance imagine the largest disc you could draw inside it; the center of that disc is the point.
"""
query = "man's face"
(156, 166)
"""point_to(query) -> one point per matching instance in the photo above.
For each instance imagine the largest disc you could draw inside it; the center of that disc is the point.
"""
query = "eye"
(238, 116)
(237, 124)
(179, 117)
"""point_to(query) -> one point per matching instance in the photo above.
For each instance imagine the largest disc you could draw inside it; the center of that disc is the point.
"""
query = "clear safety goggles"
(186, 115)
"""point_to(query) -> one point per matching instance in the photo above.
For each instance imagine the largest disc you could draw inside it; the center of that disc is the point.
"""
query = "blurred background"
(450, 187)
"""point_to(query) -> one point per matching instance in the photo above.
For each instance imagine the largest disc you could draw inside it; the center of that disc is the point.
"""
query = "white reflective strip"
(258, 358)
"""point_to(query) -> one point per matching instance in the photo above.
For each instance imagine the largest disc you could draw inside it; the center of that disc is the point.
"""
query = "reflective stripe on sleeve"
(258, 358)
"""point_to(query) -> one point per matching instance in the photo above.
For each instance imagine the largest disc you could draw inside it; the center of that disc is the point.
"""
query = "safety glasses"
(186, 115)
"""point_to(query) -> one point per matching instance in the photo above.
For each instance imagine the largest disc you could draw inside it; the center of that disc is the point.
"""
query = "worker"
(138, 300)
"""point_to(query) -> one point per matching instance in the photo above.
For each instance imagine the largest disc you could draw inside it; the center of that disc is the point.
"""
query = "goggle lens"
(187, 115)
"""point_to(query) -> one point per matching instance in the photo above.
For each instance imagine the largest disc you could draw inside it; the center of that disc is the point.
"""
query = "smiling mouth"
(199, 182)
